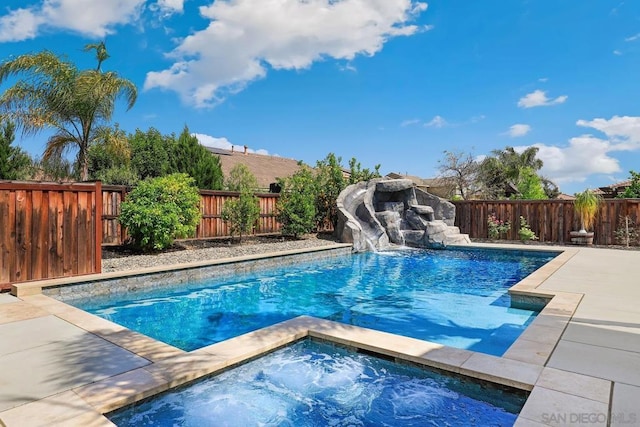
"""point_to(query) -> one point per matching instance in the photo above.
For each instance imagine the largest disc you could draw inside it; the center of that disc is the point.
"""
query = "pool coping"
(36, 287)
(522, 366)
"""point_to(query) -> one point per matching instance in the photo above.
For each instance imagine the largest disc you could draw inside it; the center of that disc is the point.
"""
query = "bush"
(497, 227)
(244, 212)
(241, 179)
(241, 213)
(525, 232)
(297, 204)
(161, 209)
(118, 175)
(329, 183)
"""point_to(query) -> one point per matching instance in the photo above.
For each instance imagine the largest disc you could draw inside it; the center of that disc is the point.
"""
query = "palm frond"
(58, 145)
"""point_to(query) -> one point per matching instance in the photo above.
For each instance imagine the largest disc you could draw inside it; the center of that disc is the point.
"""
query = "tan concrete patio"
(580, 358)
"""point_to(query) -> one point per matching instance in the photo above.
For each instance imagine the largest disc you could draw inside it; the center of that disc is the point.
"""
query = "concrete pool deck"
(580, 358)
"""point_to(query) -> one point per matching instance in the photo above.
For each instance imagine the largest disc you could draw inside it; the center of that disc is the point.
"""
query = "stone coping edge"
(35, 287)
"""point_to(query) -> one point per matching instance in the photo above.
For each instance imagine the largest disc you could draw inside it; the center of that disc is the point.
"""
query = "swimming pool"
(314, 383)
(453, 297)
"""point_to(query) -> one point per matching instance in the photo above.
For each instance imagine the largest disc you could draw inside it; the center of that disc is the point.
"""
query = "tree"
(188, 156)
(110, 158)
(297, 207)
(54, 94)
(357, 174)
(243, 212)
(55, 168)
(460, 170)
(329, 182)
(633, 190)
(14, 162)
(530, 185)
(150, 153)
(503, 169)
(241, 179)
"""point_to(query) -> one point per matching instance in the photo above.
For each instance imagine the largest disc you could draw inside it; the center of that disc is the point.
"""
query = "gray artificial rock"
(393, 185)
(392, 207)
(391, 221)
(415, 220)
(442, 209)
(373, 213)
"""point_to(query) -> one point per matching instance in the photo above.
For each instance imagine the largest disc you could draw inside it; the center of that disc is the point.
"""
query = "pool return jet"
(375, 214)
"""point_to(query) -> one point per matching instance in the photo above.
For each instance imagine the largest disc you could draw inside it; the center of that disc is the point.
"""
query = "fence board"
(48, 230)
(551, 220)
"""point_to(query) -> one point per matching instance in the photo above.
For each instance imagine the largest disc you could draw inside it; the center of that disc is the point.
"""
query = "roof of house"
(563, 196)
(266, 169)
(612, 190)
(617, 186)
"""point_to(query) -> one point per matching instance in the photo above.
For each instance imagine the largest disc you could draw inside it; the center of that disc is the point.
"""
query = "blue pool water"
(318, 384)
(454, 297)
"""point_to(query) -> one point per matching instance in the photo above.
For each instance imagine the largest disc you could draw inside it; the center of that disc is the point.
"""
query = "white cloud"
(348, 67)
(543, 79)
(171, 5)
(632, 38)
(518, 130)
(19, 24)
(476, 119)
(93, 18)
(617, 52)
(622, 131)
(246, 37)
(225, 144)
(437, 122)
(410, 122)
(586, 155)
(166, 8)
(538, 98)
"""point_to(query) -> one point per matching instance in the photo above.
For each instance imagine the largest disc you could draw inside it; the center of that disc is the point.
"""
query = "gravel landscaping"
(121, 259)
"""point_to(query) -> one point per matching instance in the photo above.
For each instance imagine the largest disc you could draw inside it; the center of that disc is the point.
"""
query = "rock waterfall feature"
(376, 213)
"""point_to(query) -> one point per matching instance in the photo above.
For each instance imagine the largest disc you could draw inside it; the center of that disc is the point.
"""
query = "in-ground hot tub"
(314, 383)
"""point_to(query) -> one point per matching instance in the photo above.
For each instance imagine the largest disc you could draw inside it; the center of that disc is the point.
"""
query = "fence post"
(98, 226)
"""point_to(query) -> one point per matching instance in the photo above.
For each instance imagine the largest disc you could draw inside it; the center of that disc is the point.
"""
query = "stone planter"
(582, 237)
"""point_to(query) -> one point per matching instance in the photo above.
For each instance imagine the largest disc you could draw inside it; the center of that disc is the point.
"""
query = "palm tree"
(506, 167)
(54, 94)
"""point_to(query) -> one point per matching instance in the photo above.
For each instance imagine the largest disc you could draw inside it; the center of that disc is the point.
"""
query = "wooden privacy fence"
(211, 203)
(551, 220)
(49, 230)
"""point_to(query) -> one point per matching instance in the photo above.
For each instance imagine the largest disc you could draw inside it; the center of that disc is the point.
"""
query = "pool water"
(319, 384)
(453, 297)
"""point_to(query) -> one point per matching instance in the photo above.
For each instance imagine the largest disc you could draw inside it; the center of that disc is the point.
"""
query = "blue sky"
(393, 82)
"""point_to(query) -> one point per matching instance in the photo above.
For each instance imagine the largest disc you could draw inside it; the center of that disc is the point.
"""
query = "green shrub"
(244, 212)
(329, 183)
(241, 213)
(297, 204)
(161, 209)
(525, 232)
(117, 175)
(241, 179)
